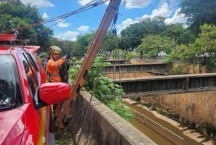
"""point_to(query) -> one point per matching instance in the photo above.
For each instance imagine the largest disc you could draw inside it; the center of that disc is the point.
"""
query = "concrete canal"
(160, 131)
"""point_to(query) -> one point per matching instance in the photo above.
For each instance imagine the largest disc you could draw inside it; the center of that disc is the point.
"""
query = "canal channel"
(158, 130)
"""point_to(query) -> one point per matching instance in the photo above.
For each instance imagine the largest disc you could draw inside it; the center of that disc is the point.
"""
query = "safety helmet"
(55, 49)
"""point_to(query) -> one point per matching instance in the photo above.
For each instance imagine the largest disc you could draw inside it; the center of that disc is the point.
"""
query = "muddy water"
(152, 134)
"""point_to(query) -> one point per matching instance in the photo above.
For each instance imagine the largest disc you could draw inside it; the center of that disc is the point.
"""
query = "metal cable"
(89, 5)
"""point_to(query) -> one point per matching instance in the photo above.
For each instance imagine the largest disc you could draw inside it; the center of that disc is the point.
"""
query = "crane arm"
(109, 15)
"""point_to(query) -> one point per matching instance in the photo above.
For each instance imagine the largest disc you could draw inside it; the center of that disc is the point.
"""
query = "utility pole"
(111, 12)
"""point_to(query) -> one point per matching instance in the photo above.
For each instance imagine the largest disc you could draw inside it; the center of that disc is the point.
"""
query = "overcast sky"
(131, 11)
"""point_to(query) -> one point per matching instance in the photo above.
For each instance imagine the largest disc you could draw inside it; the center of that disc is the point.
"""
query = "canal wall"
(191, 96)
(128, 75)
(136, 70)
(137, 67)
(93, 123)
(198, 107)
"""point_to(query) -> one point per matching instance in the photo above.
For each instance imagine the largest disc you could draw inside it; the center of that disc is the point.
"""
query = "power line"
(88, 6)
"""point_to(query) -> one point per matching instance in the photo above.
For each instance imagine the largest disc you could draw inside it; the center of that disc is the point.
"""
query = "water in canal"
(152, 134)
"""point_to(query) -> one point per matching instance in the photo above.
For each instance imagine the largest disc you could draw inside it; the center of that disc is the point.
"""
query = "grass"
(66, 138)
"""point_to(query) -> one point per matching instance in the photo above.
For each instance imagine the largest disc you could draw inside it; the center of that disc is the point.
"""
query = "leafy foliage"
(179, 34)
(205, 45)
(132, 36)
(110, 42)
(180, 69)
(181, 53)
(153, 44)
(206, 42)
(120, 108)
(15, 15)
(203, 48)
(199, 12)
(131, 54)
(102, 87)
(83, 43)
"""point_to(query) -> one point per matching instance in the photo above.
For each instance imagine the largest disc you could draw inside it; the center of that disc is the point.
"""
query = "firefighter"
(54, 63)
(53, 72)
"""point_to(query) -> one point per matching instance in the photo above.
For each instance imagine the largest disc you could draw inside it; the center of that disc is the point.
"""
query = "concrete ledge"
(93, 123)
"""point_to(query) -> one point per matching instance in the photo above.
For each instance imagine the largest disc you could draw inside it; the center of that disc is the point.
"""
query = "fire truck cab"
(25, 95)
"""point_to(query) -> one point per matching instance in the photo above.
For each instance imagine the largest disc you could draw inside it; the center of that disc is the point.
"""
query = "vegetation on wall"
(102, 87)
(203, 48)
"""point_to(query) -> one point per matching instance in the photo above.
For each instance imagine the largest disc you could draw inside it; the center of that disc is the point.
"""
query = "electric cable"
(88, 6)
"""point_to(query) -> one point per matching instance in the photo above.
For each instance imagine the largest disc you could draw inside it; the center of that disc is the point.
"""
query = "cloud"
(162, 11)
(45, 16)
(177, 18)
(38, 3)
(83, 28)
(165, 12)
(62, 24)
(69, 35)
(173, 4)
(84, 2)
(130, 4)
(125, 24)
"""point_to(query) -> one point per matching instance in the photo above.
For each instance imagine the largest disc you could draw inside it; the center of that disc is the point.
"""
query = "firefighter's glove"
(67, 56)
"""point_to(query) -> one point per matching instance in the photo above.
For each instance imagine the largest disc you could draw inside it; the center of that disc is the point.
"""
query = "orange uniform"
(53, 73)
(53, 69)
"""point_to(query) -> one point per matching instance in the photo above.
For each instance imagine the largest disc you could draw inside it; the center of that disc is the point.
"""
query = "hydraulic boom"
(111, 12)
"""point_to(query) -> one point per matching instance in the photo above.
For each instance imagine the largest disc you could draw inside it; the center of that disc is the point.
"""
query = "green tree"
(83, 43)
(133, 34)
(182, 53)
(199, 12)
(205, 45)
(153, 44)
(124, 43)
(206, 42)
(110, 43)
(67, 46)
(203, 48)
(15, 15)
(179, 34)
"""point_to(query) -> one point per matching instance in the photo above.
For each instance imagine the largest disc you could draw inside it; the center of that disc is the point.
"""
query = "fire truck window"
(10, 91)
(33, 67)
(30, 74)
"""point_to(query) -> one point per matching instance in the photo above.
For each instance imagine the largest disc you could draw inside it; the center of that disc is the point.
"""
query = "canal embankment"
(94, 123)
(174, 131)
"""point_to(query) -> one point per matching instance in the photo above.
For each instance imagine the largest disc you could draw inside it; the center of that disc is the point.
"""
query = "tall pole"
(109, 15)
